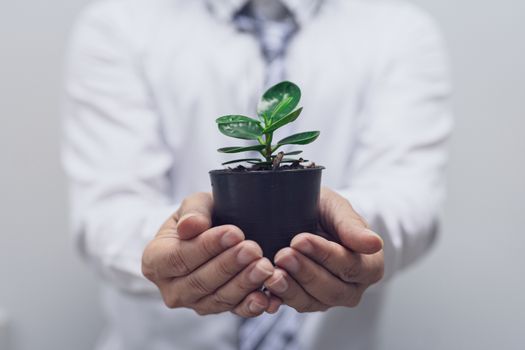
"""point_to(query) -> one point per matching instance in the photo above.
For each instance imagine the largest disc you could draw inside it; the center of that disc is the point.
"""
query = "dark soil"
(266, 167)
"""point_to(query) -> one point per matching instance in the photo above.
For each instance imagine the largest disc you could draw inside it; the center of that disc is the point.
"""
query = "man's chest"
(198, 69)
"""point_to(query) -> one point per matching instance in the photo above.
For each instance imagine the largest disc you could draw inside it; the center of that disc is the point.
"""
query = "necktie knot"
(273, 25)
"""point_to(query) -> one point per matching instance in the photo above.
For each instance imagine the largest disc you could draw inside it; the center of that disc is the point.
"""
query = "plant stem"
(268, 152)
(277, 160)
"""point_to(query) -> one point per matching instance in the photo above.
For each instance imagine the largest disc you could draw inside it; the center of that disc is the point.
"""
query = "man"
(146, 80)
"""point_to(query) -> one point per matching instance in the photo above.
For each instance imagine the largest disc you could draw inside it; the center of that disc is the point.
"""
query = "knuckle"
(178, 261)
(196, 285)
(149, 272)
(222, 303)
(308, 279)
(306, 306)
(147, 269)
(325, 255)
(172, 300)
(201, 311)
(244, 284)
(209, 247)
(336, 296)
(148, 263)
(350, 272)
(354, 300)
(224, 269)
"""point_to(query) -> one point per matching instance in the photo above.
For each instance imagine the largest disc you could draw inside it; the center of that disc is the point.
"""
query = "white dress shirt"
(146, 80)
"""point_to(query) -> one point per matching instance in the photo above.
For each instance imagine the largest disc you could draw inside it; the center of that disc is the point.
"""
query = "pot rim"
(264, 172)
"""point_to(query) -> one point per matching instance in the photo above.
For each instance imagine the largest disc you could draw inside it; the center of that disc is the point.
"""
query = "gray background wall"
(467, 294)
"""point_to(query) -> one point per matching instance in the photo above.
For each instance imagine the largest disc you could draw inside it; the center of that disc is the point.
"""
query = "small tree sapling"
(276, 108)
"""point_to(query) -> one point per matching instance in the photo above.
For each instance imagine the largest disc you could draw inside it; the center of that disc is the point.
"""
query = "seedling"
(276, 108)
(286, 201)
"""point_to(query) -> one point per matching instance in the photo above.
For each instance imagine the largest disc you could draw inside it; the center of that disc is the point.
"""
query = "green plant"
(276, 108)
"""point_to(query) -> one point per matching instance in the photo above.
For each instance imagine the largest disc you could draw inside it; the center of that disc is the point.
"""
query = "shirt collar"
(302, 10)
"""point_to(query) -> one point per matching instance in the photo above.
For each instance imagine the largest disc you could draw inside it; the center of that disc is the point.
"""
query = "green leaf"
(241, 149)
(278, 101)
(249, 160)
(292, 153)
(235, 119)
(302, 138)
(260, 162)
(284, 120)
(291, 160)
(240, 127)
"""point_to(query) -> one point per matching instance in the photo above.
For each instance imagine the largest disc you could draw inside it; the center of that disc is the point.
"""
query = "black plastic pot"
(270, 207)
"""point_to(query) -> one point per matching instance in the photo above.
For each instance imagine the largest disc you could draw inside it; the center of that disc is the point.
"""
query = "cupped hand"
(316, 273)
(209, 270)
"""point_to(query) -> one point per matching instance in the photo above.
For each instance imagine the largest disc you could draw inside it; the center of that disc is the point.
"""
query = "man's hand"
(209, 270)
(315, 273)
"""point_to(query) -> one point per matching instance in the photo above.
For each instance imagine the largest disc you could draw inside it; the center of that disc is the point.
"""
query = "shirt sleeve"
(114, 154)
(398, 168)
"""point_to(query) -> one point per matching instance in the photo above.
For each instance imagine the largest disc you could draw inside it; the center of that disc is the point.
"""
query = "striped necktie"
(273, 25)
(271, 332)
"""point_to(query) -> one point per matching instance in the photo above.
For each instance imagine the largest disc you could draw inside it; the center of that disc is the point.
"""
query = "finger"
(253, 305)
(291, 293)
(339, 218)
(194, 215)
(316, 280)
(168, 256)
(347, 265)
(233, 292)
(332, 256)
(213, 274)
(274, 304)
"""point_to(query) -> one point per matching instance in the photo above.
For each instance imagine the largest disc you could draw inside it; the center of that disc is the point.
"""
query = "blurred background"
(468, 293)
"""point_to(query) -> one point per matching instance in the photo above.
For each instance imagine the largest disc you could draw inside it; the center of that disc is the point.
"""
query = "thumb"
(194, 215)
(341, 220)
(361, 240)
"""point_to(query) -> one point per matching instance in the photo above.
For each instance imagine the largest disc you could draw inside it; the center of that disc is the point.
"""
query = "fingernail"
(185, 217)
(273, 306)
(255, 307)
(372, 233)
(229, 239)
(261, 271)
(279, 286)
(290, 263)
(382, 242)
(272, 312)
(246, 256)
(304, 246)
